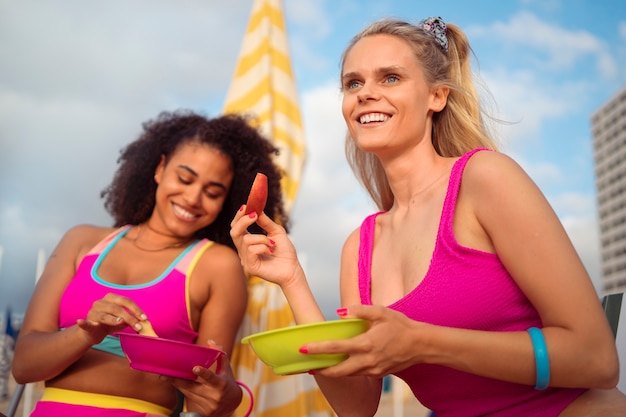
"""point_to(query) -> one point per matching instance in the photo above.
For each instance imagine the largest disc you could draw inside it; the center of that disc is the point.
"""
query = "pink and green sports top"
(165, 299)
(469, 289)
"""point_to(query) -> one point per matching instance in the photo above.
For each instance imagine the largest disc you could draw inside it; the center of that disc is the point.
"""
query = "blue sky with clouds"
(78, 78)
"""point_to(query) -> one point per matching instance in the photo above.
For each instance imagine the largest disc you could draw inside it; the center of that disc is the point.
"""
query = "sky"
(77, 79)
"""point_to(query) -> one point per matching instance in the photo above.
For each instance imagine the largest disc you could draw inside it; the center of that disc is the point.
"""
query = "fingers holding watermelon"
(258, 195)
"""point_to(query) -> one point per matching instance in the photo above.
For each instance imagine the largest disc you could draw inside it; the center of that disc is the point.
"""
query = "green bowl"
(279, 348)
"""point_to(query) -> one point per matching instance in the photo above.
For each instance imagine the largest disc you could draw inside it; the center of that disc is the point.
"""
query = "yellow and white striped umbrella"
(264, 88)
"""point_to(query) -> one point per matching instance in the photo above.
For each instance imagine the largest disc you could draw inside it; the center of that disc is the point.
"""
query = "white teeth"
(182, 212)
(373, 117)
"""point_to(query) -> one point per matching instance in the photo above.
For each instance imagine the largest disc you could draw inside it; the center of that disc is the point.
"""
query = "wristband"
(542, 362)
(249, 391)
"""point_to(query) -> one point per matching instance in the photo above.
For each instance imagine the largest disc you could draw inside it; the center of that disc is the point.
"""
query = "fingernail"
(311, 372)
(143, 317)
(341, 312)
(118, 319)
(252, 215)
(138, 326)
(272, 242)
(197, 370)
(241, 208)
(271, 250)
(303, 349)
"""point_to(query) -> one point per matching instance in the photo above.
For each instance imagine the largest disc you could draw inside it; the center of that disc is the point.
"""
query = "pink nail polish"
(303, 349)
(272, 242)
(342, 312)
(252, 215)
(241, 208)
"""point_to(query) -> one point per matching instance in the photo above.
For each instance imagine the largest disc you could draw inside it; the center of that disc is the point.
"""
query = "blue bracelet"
(542, 362)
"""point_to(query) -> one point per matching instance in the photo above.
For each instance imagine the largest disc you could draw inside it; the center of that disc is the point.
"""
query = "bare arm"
(40, 333)
(220, 280)
(535, 249)
(273, 258)
(219, 295)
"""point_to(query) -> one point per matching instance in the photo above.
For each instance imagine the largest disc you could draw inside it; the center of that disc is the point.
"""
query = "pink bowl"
(166, 357)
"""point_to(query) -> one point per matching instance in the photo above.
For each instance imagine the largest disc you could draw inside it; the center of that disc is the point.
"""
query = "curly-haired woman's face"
(192, 188)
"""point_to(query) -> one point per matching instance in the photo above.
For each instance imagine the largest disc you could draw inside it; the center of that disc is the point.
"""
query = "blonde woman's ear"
(439, 98)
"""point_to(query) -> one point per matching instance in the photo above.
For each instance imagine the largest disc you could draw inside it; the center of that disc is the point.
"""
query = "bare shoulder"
(351, 244)
(494, 173)
(86, 231)
(354, 237)
(66, 256)
(491, 166)
(84, 236)
(219, 257)
(350, 253)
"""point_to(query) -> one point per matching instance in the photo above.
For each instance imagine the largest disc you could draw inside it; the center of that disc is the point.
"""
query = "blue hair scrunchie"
(438, 28)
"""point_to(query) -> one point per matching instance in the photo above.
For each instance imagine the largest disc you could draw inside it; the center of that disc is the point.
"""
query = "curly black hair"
(130, 198)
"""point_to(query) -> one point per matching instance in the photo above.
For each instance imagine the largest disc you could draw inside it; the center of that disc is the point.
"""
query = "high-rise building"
(608, 125)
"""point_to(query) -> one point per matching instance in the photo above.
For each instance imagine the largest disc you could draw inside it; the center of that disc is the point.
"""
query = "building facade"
(608, 125)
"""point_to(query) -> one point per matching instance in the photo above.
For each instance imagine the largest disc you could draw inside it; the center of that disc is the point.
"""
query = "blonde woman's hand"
(388, 345)
(272, 256)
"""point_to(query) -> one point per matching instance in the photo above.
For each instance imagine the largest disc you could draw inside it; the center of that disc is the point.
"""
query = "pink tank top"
(165, 300)
(470, 289)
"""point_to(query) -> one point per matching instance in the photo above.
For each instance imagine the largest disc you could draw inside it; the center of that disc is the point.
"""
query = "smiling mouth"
(373, 117)
(182, 212)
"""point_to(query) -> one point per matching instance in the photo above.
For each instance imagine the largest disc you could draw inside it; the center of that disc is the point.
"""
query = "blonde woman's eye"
(352, 84)
(392, 79)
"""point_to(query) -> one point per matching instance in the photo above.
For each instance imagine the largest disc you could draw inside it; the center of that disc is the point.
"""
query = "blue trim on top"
(110, 344)
(105, 252)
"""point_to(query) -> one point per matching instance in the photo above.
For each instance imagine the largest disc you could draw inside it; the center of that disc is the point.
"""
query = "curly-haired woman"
(168, 259)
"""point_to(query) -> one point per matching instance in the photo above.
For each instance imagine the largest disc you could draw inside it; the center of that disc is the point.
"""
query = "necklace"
(138, 246)
(428, 186)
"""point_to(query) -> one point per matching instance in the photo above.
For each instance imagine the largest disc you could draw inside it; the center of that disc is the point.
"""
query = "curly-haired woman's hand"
(111, 314)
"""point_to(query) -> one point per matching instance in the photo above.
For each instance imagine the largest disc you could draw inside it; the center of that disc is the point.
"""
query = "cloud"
(309, 17)
(552, 47)
(105, 49)
(574, 203)
(543, 172)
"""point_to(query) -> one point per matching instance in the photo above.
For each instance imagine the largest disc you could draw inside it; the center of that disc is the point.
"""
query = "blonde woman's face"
(387, 104)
